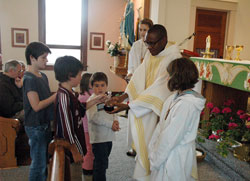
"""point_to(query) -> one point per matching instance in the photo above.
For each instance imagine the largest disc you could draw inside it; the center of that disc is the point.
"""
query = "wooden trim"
(64, 46)
(84, 34)
(0, 41)
(41, 21)
(146, 8)
(1, 64)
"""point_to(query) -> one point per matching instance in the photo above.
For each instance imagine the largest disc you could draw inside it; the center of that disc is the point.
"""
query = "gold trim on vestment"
(152, 69)
(157, 102)
(142, 145)
(132, 90)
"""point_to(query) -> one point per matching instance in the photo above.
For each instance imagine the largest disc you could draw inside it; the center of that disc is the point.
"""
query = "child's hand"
(76, 156)
(101, 98)
(115, 126)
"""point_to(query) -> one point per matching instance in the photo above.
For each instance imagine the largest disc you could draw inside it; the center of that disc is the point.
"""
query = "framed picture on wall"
(97, 41)
(20, 37)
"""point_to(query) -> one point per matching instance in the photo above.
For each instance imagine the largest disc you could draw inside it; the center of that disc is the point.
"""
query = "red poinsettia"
(226, 125)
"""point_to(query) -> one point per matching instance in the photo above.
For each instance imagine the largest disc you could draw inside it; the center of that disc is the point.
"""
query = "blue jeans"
(101, 161)
(39, 138)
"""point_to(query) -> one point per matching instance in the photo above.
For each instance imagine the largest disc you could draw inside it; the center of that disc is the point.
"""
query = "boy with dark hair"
(69, 110)
(102, 127)
(38, 109)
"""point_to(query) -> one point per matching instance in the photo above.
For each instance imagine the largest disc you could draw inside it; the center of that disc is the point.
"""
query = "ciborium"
(229, 49)
(238, 49)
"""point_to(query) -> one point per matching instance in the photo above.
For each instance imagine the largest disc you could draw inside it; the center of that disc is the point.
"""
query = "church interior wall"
(179, 18)
(103, 17)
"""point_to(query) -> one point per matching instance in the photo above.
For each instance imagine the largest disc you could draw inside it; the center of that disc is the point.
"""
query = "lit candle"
(208, 43)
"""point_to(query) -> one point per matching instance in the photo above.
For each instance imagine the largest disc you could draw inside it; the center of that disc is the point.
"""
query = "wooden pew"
(59, 167)
(8, 131)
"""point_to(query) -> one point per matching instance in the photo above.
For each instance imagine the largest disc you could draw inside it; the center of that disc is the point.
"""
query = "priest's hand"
(118, 107)
(116, 99)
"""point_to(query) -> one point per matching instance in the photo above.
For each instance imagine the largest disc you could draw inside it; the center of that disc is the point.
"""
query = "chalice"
(238, 49)
(229, 49)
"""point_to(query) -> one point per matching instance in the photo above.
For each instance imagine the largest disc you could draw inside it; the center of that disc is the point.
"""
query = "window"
(63, 27)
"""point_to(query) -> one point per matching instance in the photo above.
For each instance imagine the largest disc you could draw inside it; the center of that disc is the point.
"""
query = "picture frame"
(97, 41)
(20, 37)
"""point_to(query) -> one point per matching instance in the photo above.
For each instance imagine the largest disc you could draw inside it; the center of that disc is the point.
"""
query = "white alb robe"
(136, 54)
(172, 152)
(147, 92)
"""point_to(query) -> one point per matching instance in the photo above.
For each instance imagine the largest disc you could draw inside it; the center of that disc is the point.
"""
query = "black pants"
(101, 152)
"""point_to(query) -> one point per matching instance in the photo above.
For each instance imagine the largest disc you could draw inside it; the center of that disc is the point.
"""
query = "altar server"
(172, 152)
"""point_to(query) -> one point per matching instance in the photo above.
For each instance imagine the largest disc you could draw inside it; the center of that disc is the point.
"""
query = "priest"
(146, 93)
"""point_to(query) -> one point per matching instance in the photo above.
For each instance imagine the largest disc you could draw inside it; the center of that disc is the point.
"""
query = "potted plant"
(229, 127)
(114, 50)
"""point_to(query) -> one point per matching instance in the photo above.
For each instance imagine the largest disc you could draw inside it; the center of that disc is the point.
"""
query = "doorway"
(211, 23)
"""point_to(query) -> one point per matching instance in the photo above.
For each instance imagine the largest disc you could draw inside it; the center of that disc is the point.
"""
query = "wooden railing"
(8, 131)
(59, 167)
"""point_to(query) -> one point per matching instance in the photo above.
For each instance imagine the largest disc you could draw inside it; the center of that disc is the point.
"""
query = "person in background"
(19, 79)
(11, 99)
(102, 127)
(172, 152)
(138, 49)
(146, 93)
(38, 109)
(87, 166)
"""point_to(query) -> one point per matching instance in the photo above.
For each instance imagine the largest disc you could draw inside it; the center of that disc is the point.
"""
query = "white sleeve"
(171, 135)
(139, 111)
(131, 59)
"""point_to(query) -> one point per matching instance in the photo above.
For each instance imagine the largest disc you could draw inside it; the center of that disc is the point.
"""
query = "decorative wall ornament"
(97, 41)
(20, 37)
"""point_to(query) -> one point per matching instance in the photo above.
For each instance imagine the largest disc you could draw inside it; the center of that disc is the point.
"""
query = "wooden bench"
(8, 132)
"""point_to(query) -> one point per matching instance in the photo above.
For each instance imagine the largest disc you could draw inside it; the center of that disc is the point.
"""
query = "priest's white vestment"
(147, 91)
(172, 152)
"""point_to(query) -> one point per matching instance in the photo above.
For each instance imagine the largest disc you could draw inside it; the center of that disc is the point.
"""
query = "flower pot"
(116, 61)
(242, 152)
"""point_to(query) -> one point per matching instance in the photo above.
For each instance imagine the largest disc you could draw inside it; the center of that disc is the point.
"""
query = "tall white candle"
(208, 43)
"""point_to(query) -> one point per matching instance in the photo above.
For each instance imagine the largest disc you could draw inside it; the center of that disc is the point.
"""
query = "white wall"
(104, 16)
(179, 18)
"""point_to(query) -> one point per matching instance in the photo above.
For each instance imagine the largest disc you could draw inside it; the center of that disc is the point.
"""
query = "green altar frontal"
(235, 74)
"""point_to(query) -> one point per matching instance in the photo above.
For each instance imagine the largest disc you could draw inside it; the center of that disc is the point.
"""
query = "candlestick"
(208, 43)
(207, 53)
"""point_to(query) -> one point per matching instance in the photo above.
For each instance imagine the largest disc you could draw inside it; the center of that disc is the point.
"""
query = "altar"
(224, 79)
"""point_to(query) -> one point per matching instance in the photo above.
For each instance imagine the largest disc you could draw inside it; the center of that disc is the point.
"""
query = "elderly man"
(11, 98)
(147, 91)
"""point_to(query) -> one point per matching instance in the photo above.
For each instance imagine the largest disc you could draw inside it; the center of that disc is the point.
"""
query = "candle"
(208, 43)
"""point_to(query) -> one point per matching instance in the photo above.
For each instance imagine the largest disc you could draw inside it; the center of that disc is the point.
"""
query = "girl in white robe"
(172, 152)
